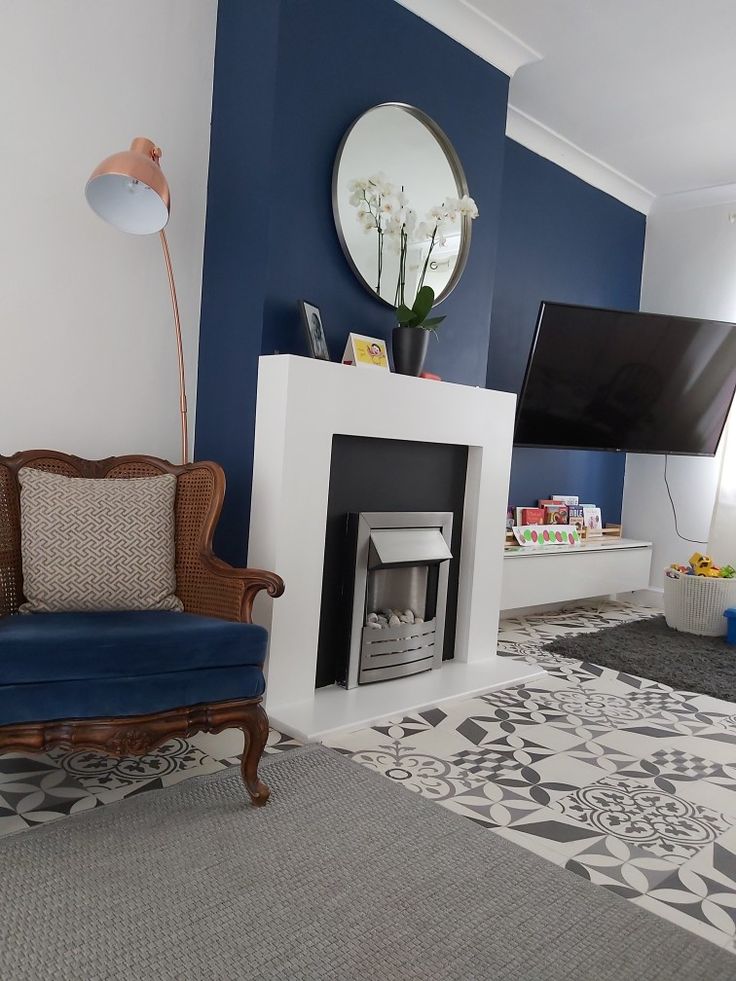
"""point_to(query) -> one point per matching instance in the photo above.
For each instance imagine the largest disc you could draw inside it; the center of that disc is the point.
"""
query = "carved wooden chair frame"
(205, 584)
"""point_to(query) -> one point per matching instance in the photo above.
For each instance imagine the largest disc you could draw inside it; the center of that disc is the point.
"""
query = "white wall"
(87, 355)
(689, 270)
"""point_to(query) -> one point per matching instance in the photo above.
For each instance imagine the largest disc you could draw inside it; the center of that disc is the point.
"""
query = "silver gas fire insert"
(399, 593)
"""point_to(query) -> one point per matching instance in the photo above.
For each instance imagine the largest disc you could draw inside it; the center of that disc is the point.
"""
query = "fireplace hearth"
(399, 593)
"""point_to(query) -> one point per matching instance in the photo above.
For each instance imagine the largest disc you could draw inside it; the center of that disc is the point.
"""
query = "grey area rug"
(651, 649)
(342, 876)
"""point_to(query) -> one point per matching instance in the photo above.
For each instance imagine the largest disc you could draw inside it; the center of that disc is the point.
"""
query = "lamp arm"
(179, 350)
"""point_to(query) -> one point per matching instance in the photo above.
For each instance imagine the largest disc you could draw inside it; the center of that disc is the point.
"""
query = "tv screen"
(637, 382)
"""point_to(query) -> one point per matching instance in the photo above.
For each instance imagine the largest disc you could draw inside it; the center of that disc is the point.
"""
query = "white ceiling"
(645, 87)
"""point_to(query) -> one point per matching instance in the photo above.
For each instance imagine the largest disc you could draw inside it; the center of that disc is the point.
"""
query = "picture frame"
(314, 329)
(366, 352)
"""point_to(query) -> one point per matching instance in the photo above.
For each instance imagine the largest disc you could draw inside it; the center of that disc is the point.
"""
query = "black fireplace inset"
(370, 474)
(399, 593)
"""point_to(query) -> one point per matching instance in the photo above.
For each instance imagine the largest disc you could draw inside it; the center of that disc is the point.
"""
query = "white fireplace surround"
(302, 404)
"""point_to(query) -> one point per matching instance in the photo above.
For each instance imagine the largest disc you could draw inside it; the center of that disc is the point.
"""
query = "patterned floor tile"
(42, 796)
(546, 779)
(429, 775)
(662, 700)
(714, 743)
(645, 738)
(607, 761)
(692, 777)
(99, 773)
(10, 822)
(224, 745)
(619, 682)
(524, 742)
(230, 752)
(679, 914)
(490, 804)
(620, 866)
(574, 673)
(550, 834)
(600, 709)
(411, 725)
(662, 823)
(519, 649)
(518, 711)
(704, 889)
(715, 711)
(227, 746)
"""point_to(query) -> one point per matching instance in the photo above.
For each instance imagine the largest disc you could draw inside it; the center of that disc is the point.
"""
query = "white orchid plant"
(384, 207)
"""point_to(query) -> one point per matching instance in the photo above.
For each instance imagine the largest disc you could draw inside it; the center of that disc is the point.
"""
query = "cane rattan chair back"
(204, 584)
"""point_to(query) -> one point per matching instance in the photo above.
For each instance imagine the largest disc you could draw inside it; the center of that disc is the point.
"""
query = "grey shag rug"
(651, 649)
(343, 876)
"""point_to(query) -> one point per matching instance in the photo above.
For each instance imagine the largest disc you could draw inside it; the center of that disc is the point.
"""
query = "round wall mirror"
(397, 181)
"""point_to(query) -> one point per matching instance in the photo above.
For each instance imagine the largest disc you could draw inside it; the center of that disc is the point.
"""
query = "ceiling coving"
(644, 90)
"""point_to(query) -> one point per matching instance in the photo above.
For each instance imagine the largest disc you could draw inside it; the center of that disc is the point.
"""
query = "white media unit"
(562, 573)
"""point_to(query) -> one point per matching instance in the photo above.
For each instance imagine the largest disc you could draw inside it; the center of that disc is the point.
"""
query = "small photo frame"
(312, 320)
(366, 352)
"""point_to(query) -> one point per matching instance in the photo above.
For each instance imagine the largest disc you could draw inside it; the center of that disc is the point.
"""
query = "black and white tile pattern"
(618, 779)
(38, 789)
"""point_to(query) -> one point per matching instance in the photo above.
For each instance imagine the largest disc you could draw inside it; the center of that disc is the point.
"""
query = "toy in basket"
(697, 595)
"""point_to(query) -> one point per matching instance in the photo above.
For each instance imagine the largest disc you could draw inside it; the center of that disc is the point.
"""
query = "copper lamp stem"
(179, 351)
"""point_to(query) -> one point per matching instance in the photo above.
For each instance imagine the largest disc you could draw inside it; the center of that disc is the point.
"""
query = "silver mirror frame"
(460, 181)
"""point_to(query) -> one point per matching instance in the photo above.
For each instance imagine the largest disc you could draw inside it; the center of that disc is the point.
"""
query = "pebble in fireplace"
(391, 618)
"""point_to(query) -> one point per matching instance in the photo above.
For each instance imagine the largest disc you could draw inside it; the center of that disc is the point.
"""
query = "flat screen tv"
(633, 382)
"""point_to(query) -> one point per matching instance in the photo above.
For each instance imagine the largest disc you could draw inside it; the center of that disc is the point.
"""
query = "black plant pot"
(409, 347)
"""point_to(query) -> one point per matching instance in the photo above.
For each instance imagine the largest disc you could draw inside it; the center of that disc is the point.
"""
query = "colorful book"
(555, 513)
(593, 522)
(531, 516)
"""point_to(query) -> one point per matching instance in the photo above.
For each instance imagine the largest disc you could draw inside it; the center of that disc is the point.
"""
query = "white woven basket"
(695, 604)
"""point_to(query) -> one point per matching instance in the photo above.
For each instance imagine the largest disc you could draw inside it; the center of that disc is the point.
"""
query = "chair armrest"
(228, 593)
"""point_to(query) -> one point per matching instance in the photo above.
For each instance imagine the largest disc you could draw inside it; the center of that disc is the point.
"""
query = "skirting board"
(333, 709)
(644, 597)
(640, 597)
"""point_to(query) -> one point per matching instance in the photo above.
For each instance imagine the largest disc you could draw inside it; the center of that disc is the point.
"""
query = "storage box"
(696, 604)
(730, 616)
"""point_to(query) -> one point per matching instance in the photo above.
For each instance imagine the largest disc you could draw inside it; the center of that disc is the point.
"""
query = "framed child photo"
(312, 320)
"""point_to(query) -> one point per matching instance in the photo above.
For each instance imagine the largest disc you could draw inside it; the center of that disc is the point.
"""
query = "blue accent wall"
(330, 72)
(290, 77)
(560, 239)
(235, 255)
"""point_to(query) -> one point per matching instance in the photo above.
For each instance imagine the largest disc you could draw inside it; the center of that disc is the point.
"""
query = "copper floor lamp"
(129, 191)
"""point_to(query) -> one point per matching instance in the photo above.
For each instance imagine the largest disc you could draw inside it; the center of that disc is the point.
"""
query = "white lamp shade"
(127, 204)
(129, 190)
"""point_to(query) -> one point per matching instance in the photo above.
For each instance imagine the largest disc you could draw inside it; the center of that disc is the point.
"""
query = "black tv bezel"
(611, 449)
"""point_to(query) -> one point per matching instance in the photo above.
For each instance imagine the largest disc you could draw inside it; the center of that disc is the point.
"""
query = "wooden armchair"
(206, 586)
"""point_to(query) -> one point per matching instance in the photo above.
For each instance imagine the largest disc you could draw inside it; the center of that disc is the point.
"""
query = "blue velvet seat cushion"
(48, 700)
(87, 665)
(84, 646)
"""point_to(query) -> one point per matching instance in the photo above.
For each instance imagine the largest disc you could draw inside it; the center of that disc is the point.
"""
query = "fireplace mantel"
(302, 404)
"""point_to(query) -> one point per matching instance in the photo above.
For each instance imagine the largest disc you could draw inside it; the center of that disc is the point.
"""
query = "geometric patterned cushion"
(97, 544)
